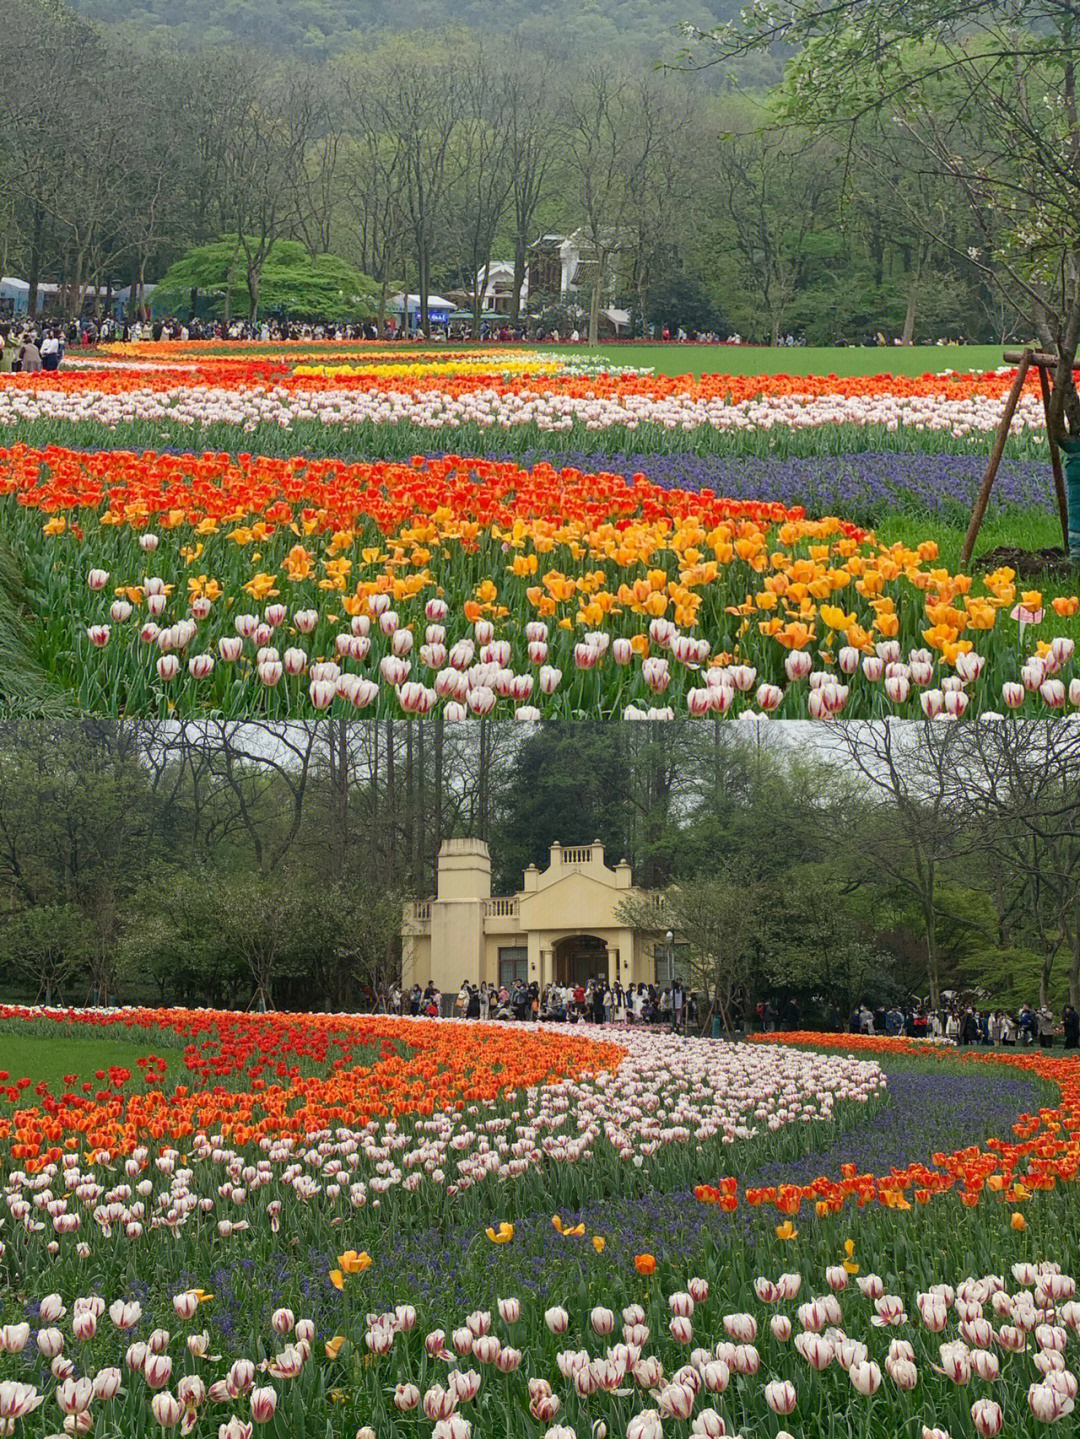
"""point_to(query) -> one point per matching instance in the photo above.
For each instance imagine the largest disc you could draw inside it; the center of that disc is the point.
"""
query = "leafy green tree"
(293, 283)
(986, 93)
(718, 921)
(45, 945)
(568, 783)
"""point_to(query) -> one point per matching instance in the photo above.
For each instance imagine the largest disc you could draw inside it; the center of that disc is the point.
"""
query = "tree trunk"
(35, 263)
(438, 787)
(909, 317)
(482, 785)
(74, 305)
(424, 321)
(419, 822)
(253, 293)
(409, 817)
(384, 295)
(594, 304)
(479, 290)
(339, 782)
(1064, 401)
(931, 955)
(391, 806)
(519, 279)
(1044, 975)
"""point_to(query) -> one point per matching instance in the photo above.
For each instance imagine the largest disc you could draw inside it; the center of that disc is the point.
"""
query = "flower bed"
(392, 403)
(1044, 1151)
(184, 584)
(271, 1303)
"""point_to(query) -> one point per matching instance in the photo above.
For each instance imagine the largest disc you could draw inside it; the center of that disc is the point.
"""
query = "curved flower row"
(423, 1105)
(286, 1075)
(1044, 1152)
(292, 585)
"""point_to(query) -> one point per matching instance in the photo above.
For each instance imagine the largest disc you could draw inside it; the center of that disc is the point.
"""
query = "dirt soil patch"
(1028, 564)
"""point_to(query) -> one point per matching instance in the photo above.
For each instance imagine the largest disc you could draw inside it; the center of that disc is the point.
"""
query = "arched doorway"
(579, 958)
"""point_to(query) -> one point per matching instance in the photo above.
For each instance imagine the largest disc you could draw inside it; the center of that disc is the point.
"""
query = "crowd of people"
(26, 341)
(674, 1006)
(30, 348)
(965, 1025)
(596, 1001)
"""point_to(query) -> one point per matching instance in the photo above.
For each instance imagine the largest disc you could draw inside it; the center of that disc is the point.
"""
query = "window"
(513, 964)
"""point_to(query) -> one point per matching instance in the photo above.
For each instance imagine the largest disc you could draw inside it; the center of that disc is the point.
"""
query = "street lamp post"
(670, 937)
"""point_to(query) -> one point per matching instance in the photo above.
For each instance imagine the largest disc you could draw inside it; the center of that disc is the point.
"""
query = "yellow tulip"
(786, 1230)
(576, 1232)
(1018, 1221)
(502, 1235)
(333, 1346)
(354, 1263)
(337, 1279)
(598, 1242)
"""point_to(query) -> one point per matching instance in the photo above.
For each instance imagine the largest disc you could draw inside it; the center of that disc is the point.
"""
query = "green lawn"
(40, 1058)
(1028, 530)
(48, 1052)
(763, 360)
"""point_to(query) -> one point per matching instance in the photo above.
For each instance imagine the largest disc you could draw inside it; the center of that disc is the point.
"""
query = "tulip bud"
(780, 1396)
(166, 1409)
(107, 1384)
(865, 1377)
(157, 1370)
(263, 1404)
(50, 1343)
(770, 697)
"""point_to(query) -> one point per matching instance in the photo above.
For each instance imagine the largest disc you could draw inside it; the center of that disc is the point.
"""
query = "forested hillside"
(325, 27)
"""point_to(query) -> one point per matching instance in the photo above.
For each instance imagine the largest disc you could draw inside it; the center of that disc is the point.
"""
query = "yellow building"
(564, 925)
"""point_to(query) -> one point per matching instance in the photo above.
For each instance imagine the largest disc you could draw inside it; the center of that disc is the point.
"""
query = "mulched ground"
(1028, 564)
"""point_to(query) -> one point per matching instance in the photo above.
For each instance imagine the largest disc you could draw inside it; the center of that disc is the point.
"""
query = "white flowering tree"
(981, 93)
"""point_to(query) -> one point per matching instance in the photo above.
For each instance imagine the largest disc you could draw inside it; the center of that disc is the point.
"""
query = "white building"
(498, 293)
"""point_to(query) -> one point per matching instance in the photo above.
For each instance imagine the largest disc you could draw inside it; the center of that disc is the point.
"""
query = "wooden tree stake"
(995, 459)
(1055, 460)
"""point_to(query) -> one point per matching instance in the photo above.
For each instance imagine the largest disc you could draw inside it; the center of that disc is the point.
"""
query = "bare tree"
(606, 145)
(1020, 784)
(903, 809)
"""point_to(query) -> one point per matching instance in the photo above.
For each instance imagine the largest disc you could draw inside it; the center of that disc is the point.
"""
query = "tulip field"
(324, 1225)
(284, 532)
